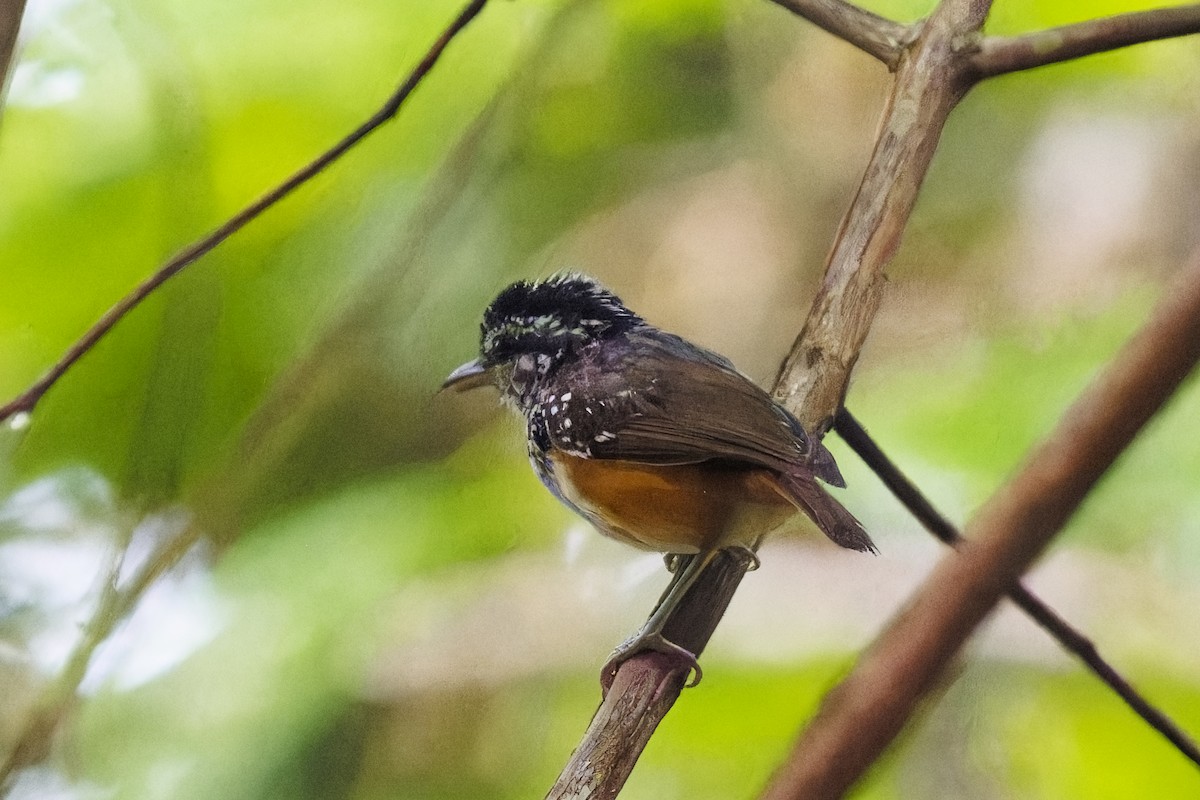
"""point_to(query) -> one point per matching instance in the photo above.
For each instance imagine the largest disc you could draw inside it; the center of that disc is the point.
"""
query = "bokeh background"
(382, 602)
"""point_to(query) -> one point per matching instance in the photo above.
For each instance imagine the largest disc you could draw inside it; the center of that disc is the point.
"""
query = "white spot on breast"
(566, 396)
(567, 422)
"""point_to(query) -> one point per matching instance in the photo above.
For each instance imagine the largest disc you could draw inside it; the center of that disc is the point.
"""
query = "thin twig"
(871, 33)
(1047, 618)
(998, 55)
(862, 715)
(310, 381)
(30, 397)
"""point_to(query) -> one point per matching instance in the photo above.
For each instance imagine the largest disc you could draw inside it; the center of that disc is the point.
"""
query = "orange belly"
(685, 508)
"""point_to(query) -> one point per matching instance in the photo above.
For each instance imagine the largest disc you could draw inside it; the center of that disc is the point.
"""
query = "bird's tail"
(831, 517)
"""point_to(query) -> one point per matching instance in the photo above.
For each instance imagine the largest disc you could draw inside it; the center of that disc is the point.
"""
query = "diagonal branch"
(871, 33)
(998, 55)
(644, 689)
(929, 82)
(26, 401)
(1047, 618)
(863, 714)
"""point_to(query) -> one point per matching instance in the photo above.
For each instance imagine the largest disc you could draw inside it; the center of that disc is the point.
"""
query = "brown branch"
(998, 55)
(861, 716)
(930, 78)
(871, 33)
(1047, 618)
(30, 397)
(619, 731)
(644, 689)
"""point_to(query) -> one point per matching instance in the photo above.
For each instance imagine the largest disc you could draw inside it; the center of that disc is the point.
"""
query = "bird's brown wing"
(665, 401)
(670, 402)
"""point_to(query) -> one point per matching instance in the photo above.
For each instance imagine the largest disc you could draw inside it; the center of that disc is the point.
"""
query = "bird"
(657, 442)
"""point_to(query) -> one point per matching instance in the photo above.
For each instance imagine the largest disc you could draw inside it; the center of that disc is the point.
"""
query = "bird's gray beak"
(470, 375)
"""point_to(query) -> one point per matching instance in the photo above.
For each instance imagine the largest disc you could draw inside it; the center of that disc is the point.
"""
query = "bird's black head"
(532, 327)
(553, 317)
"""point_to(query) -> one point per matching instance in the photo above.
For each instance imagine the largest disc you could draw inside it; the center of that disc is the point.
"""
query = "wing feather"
(666, 401)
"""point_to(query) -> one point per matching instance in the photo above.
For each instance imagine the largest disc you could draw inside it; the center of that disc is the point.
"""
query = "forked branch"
(929, 82)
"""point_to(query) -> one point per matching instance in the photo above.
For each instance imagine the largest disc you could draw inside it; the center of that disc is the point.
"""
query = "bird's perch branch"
(999, 55)
(929, 81)
(861, 717)
(26, 401)
(644, 689)
(935, 63)
(875, 35)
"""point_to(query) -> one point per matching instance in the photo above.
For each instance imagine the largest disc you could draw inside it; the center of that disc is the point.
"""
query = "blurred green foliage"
(280, 394)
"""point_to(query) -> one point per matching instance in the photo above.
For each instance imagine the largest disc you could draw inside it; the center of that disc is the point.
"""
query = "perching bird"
(657, 442)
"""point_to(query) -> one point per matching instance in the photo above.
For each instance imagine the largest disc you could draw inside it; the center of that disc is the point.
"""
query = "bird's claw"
(654, 641)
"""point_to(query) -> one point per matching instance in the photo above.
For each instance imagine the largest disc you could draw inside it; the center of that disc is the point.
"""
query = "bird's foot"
(671, 560)
(653, 641)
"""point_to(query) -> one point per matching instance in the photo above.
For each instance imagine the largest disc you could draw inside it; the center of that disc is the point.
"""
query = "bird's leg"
(650, 637)
(676, 564)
